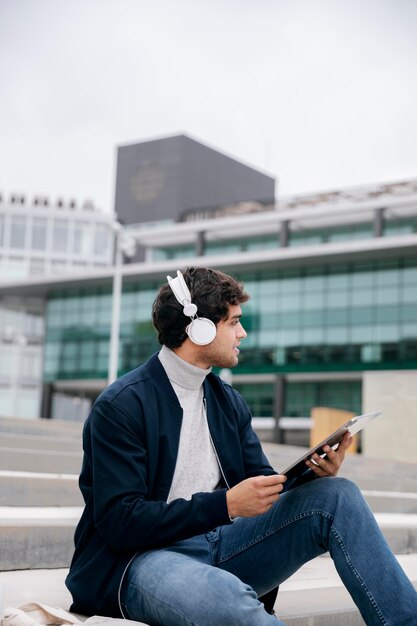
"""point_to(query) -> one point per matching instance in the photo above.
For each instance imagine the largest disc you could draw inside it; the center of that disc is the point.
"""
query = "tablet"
(354, 425)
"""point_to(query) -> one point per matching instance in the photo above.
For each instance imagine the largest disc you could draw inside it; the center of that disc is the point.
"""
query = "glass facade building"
(333, 286)
(333, 295)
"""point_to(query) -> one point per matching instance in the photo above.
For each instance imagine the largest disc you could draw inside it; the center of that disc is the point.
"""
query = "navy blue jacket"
(130, 445)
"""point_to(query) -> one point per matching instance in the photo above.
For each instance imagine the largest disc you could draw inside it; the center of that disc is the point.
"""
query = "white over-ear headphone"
(200, 330)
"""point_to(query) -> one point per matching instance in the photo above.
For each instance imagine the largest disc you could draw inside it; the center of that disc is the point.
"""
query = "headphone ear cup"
(201, 331)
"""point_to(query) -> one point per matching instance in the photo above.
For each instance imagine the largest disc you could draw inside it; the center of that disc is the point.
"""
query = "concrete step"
(24, 426)
(27, 460)
(26, 489)
(41, 442)
(36, 537)
(391, 501)
(313, 596)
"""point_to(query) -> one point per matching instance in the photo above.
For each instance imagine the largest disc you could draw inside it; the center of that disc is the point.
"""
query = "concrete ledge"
(42, 442)
(37, 538)
(39, 489)
(61, 428)
(22, 459)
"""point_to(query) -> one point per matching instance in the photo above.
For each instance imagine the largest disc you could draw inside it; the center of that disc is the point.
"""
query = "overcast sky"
(321, 94)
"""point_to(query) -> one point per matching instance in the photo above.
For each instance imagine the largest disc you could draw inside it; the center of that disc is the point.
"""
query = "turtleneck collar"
(181, 372)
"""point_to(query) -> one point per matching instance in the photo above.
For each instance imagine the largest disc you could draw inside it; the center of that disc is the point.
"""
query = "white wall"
(393, 435)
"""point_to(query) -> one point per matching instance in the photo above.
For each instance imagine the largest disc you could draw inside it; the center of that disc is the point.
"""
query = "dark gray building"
(177, 177)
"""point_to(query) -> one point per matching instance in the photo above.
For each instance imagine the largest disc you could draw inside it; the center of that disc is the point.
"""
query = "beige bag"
(36, 614)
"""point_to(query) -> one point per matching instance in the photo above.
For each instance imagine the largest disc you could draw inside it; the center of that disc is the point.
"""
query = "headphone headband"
(201, 330)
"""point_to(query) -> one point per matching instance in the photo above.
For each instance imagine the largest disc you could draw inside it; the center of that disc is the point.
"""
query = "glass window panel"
(409, 293)
(34, 323)
(39, 233)
(371, 352)
(409, 330)
(362, 296)
(60, 236)
(336, 336)
(362, 278)
(269, 305)
(69, 366)
(17, 231)
(408, 312)
(6, 402)
(338, 298)
(102, 240)
(266, 338)
(387, 276)
(387, 314)
(30, 364)
(267, 288)
(103, 348)
(55, 306)
(314, 283)
(17, 267)
(387, 295)
(9, 360)
(70, 349)
(311, 336)
(314, 300)
(386, 332)
(291, 319)
(1, 230)
(410, 274)
(313, 318)
(290, 284)
(104, 315)
(290, 337)
(304, 238)
(361, 334)
(82, 243)
(363, 315)
(336, 316)
(338, 281)
(290, 302)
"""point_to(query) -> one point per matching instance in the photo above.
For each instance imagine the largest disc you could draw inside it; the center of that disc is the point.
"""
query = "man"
(185, 521)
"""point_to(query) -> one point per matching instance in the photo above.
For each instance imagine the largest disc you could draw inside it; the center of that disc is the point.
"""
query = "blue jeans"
(215, 579)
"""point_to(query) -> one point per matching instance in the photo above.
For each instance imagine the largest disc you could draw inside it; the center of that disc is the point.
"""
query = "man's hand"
(330, 465)
(254, 496)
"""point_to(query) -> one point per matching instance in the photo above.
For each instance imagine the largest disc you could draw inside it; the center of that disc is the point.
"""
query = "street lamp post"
(124, 245)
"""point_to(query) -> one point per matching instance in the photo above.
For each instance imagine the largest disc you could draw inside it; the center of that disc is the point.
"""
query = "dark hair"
(211, 291)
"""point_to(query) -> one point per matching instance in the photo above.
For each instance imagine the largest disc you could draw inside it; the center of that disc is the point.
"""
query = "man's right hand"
(254, 496)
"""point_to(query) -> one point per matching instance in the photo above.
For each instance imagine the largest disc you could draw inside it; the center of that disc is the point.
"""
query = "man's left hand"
(330, 465)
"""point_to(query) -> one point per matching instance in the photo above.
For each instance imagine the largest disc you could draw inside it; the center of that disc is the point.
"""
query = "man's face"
(223, 351)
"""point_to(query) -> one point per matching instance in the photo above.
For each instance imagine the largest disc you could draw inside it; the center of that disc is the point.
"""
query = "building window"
(39, 233)
(17, 231)
(101, 241)
(82, 238)
(60, 236)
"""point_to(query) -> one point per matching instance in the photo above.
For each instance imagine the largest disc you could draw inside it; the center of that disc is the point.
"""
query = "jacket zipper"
(214, 447)
(120, 586)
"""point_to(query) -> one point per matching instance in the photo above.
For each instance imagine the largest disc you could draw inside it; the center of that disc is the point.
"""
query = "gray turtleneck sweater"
(197, 468)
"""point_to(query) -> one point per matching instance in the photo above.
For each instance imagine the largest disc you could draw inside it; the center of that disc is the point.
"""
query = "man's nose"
(242, 332)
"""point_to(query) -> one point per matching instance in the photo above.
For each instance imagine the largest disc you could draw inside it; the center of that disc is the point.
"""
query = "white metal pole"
(115, 316)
